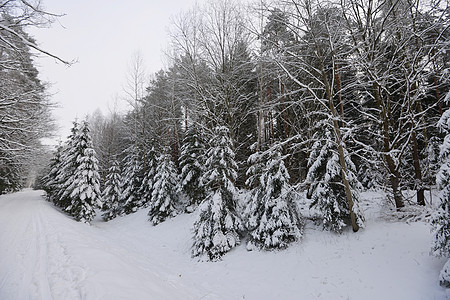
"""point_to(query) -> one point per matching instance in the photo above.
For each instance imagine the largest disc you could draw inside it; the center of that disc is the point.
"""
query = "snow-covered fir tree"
(165, 190)
(256, 163)
(148, 181)
(83, 187)
(86, 195)
(51, 185)
(192, 164)
(441, 219)
(132, 182)
(326, 186)
(112, 192)
(218, 227)
(273, 220)
(69, 155)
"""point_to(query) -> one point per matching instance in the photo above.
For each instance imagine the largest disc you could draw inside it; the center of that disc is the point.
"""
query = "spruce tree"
(254, 176)
(218, 227)
(112, 206)
(441, 220)
(148, 181)
(132, 182)
(192, 164)
(273, 222)
(326, 187)
(69, 154)
(83, 187)
(51, 185)
(164, 196)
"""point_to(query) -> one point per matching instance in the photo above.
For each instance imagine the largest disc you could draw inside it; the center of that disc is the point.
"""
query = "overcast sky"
(102, 36)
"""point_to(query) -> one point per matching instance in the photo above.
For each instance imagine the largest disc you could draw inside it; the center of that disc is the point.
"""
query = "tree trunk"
(393, 172)
(417, 169)
(337, 131)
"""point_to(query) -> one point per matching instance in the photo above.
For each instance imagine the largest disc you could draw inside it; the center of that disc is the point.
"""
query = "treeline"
(25, 116)
(319, 97)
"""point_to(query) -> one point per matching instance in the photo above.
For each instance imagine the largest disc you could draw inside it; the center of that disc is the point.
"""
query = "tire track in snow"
(50, 256)
(39, 269)
(57, 270)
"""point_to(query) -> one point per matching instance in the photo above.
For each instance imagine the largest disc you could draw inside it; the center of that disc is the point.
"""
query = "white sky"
(102, 35)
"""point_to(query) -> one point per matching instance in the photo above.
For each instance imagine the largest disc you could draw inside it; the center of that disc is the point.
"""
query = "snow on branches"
(75, 187)
(164, 196)
(326, 186)
(218, 227)
(112, 206)
(272, 218)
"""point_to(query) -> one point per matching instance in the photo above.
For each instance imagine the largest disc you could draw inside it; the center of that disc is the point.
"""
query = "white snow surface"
(44, 254)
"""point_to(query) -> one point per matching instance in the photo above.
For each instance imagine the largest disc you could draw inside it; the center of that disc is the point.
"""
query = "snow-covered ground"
(46, 255)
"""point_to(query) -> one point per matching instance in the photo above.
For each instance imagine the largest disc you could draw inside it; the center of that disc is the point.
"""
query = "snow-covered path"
(46, 255)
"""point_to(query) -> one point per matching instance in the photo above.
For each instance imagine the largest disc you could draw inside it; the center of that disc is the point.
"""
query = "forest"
(261, 104)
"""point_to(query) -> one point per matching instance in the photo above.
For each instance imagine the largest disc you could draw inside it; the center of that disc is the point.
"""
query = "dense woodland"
(261, 104)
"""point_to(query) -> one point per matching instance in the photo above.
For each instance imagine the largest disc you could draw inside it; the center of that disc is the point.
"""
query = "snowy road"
(46, 255)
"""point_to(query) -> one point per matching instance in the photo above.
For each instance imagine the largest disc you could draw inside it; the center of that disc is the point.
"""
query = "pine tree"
(146, 189)
(164, 195)
(273, 221)
(254, 184)
(192, 164)
(69, 154)
(83, 187)
(112, 193)
(51, 185)
(441, 220)
(326, 187)
(132, 182)
(217, 229)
